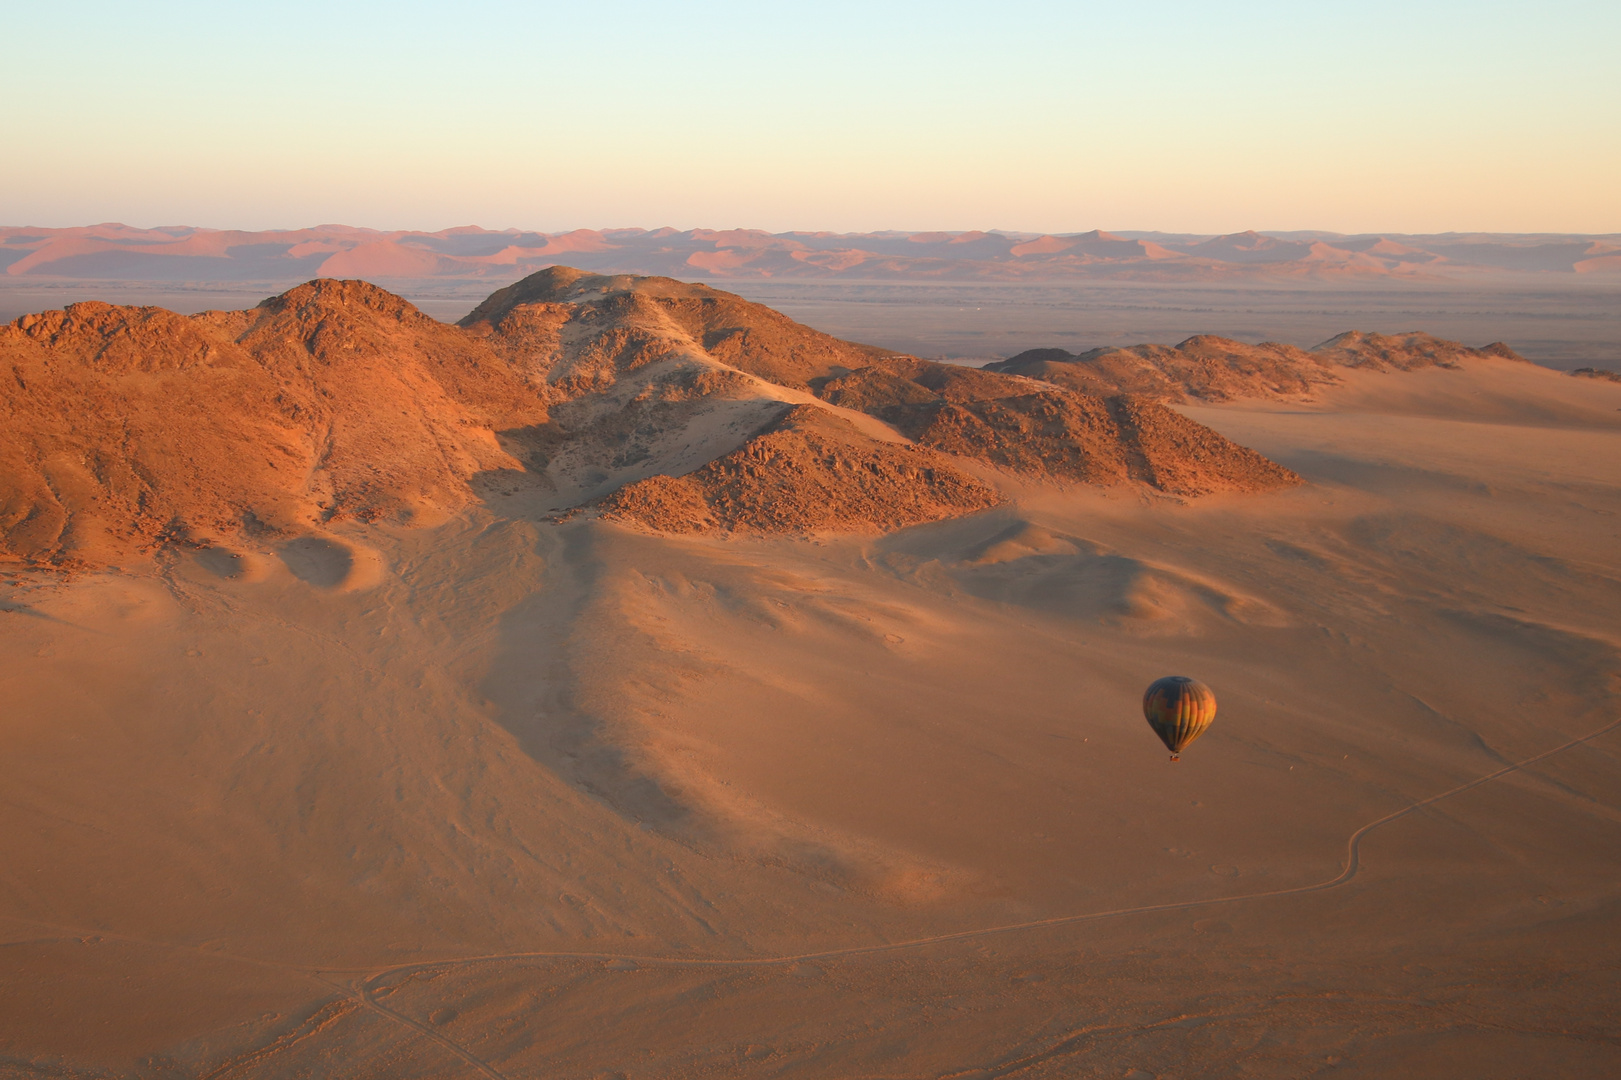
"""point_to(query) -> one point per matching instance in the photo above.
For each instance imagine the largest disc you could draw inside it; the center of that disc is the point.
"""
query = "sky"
(1362, 116)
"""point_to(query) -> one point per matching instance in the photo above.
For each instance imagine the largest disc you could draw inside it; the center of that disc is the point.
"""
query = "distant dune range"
(180, 253)
(632, 682)
(685, 407)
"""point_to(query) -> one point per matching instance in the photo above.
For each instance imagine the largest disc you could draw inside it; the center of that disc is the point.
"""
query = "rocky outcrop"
(1210, 368)
(1404, 352)
(1039, 429)
(739, 333)
(808, 471)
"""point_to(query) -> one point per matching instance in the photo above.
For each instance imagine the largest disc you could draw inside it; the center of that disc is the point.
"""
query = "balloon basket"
(1175, 758)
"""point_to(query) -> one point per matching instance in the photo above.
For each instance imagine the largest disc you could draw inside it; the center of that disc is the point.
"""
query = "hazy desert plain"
(411, 726)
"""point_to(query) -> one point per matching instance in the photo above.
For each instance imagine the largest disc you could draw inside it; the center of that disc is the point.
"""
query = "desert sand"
(468, 778)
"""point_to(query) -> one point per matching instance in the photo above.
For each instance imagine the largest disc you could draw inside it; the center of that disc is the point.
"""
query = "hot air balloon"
(1178, 709)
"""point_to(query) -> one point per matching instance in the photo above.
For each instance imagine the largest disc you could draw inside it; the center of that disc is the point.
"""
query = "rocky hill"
(669, 405)
(638, 316)
(807, 471)
(1404, 352)
(1210, 368)
(126, 427)
(1037, 428)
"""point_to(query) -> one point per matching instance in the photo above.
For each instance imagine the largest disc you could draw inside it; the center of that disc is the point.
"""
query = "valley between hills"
(630, 681)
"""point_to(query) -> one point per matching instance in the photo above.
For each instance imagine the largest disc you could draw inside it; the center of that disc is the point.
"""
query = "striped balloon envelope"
(1178, 709)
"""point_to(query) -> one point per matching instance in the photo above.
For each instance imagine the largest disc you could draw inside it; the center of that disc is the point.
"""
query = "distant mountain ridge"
(184, 253)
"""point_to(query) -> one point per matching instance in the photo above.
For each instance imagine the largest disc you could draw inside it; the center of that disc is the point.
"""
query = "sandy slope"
(512, 799)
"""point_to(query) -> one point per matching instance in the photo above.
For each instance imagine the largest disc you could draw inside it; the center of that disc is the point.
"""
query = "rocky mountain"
(644, 311)
(119, 252)
(1038, 428)
(648, 400)
(123, 428)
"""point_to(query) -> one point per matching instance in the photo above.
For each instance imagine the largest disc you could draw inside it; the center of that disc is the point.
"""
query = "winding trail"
(363, 992)
(367, 1001)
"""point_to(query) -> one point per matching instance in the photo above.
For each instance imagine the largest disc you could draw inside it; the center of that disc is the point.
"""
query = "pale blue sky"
(1366, 116)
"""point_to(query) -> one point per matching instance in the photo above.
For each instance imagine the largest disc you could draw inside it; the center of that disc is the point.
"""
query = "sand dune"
(491, 793)
(115, 252)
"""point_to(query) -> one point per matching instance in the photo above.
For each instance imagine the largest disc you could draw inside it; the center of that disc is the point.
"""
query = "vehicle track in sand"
(365, 999)
(1352, 867)
(363, 992)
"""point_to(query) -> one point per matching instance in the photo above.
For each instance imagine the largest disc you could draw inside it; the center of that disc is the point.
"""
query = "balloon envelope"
(1178, 709)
